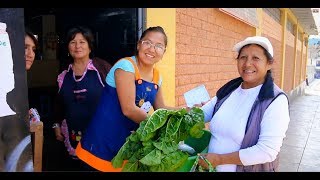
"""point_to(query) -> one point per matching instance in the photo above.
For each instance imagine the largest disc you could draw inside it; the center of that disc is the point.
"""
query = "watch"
(55, 125)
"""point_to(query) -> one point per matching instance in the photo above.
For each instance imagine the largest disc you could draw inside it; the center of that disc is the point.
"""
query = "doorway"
(116, 32)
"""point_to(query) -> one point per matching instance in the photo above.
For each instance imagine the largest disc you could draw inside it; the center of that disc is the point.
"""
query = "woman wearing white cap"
(249, 115)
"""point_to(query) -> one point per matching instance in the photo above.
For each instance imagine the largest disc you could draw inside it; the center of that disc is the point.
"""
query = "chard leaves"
(154, 145)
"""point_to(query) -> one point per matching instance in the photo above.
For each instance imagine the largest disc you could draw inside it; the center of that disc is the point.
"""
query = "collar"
(266, 90)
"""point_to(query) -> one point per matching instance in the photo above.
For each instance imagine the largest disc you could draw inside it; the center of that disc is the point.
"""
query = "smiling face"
(253, 65)
(29, 50)
(151, 48)
(79, 48)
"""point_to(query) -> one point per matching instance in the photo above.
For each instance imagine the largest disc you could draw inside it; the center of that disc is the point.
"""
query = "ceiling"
(306, 19)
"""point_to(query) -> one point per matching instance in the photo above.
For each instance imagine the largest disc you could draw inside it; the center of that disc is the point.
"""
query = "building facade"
(201, 42)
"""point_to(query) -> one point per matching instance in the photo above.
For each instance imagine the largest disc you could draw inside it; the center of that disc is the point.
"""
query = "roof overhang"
(306, 20)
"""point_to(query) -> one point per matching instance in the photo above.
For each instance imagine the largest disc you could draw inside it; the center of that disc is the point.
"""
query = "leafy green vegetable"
(153, 147)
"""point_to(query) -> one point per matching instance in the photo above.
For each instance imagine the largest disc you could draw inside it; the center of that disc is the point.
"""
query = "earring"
(68, 54)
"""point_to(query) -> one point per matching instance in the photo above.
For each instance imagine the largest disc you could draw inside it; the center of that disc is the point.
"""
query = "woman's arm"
(58, 117)
(273, 130)
(159, 102)
(220, 159)
(126, 89)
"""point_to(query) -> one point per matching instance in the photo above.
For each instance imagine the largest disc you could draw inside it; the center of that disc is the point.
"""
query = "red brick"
(192, 12)
(181, 28)
(195, 22)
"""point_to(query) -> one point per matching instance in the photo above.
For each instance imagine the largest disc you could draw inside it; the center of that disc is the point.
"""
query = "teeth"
(248, 71)
(149, 55)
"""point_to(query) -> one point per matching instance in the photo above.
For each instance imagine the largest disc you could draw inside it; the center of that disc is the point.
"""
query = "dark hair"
(156, 29)
(86, 32)
(31, 35)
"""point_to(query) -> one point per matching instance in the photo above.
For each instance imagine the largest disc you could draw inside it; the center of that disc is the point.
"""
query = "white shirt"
(228, 127)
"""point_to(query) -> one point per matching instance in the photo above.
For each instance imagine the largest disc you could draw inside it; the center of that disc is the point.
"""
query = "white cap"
(3, 26)
(262, 41)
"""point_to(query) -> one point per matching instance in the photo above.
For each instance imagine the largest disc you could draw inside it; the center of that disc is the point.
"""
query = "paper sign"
(6, 71)
(196, 96)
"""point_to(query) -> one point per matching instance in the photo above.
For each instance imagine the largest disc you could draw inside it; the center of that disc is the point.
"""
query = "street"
(301, 147)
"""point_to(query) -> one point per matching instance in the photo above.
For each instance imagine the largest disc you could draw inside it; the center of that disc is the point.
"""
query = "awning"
(306, 20)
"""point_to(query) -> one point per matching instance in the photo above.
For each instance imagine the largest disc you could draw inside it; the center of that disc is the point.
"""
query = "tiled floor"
(301, 147)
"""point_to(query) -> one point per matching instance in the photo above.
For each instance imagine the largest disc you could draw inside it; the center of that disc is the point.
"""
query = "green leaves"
(154, 145)
(154, 122)
(195, 131)
(170, 162)
(153, 158)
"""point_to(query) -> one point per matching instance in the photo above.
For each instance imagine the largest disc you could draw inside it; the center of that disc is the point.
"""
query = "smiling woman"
(133, 88)
(249, 116)
(80, 88)
(255, 59)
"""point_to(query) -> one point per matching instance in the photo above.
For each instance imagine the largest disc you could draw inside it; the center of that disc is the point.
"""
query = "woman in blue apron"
(133, 87)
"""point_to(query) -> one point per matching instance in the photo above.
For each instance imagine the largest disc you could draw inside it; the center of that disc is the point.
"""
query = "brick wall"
(289, 63)
(273, 31)
(298, 69)
(304, 62)
(298, 64)
(204, 41)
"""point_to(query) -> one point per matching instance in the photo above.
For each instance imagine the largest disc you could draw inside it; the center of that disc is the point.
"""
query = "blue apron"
(109, 128)
(80, 99)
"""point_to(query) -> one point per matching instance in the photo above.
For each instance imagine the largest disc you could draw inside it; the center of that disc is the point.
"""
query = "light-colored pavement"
(301, 147)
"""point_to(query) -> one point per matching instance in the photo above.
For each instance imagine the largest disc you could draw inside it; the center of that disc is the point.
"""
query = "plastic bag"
(34, 115)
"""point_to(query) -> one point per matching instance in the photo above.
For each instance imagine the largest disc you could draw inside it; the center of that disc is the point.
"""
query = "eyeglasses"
(157, 47)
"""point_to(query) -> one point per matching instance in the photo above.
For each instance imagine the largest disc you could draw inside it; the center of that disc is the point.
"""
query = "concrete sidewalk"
(301, 147)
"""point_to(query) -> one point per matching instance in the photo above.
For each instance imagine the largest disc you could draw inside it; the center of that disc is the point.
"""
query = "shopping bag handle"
(196, 164)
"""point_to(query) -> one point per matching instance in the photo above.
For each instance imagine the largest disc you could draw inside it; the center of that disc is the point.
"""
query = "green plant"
(154, 146)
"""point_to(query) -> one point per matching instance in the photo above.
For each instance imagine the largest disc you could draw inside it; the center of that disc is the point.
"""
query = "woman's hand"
(213, 158)
(200, 105)
(58, 134)
(195, 105)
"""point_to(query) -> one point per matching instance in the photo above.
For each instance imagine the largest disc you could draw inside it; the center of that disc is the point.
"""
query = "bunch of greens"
(154, 146)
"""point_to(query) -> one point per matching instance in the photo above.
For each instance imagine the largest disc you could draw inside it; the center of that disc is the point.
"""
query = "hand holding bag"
(197, 168)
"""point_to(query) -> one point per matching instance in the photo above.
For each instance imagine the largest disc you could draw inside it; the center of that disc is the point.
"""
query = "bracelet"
(55, 125)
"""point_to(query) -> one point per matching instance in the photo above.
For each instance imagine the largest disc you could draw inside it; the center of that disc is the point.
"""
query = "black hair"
(31, 35)
(87, 34)
(155, 29)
